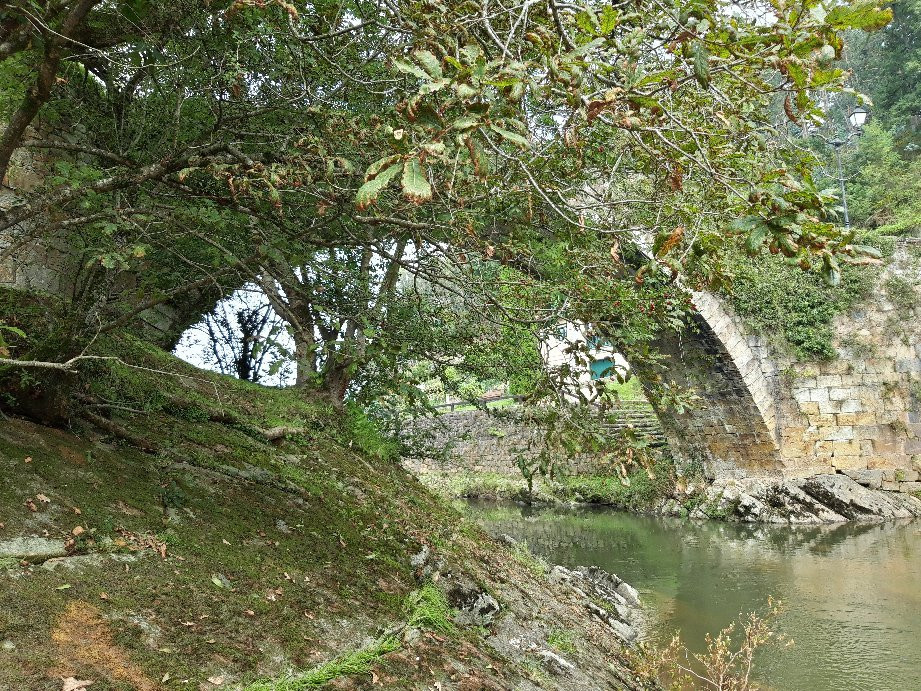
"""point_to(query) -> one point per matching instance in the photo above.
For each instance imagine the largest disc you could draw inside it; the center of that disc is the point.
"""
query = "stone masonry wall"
(863, 410)
(860, 411)
(477, 441)
(47, 265)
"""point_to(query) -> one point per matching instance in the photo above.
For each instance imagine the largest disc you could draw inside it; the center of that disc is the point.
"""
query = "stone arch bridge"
(762, 413)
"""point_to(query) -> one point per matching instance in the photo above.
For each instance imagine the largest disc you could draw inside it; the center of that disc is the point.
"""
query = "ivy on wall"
(796, 307)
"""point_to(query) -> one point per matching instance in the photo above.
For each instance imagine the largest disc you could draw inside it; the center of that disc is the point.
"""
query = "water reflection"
(852, 591)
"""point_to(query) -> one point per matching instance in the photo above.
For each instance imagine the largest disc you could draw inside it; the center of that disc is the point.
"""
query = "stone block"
(828, 380)
(864, 418)
(888, 446)
(839, 394)
(830, 407)
(840, 366)
(841, 433)
(868, 478)
(803, 395)
(846, 448)
(819, 395)
(908, 365)
(849, 462)
(809, 408)
(891, 486)
(910, 487)
(851, 406)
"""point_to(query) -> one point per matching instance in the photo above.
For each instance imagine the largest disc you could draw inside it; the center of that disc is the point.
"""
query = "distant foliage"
(884, 189)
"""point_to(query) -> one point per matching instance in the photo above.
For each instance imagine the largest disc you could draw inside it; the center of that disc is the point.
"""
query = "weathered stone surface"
(32, 548)
(83, 561)
(823, 498)
(868, 478)
(483, 442)
(853, 501)
(554, 663)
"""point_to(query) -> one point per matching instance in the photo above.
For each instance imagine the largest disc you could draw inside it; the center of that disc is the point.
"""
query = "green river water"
(851, 592)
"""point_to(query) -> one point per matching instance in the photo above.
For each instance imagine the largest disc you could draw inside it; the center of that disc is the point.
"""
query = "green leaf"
(369, 192)
(756, 238)
(866, 15)
(511, 136)
(431, 87)
(416, 187)
(701, 64)
(465, 91)
(429, 63)
(745, 223)
(12, 329)
(465, 122)
(409, 68)
(609, 20)
(378, 165)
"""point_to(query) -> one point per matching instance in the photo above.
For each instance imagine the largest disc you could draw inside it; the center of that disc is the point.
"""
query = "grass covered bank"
(643, 493)
(200, 532)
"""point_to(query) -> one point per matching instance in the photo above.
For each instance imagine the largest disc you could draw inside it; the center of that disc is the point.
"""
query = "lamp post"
(857, 119)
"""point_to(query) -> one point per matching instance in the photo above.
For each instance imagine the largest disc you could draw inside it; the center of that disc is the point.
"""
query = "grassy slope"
(279, 556)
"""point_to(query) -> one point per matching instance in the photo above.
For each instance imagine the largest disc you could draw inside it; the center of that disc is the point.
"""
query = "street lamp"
(857, 118)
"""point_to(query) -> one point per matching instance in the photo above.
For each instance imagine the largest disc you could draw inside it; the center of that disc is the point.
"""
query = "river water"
(851, 592)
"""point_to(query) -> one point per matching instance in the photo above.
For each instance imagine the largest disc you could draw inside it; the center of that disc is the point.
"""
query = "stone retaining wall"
(482, 442)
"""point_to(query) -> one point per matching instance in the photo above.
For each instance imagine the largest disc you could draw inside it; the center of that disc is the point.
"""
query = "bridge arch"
(734, 429)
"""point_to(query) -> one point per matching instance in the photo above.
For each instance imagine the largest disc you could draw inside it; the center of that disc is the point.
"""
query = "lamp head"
(858, 117)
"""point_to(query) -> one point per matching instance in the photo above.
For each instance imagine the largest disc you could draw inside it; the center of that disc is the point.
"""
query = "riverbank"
(829, 498)
(193, 531)
(850, 591)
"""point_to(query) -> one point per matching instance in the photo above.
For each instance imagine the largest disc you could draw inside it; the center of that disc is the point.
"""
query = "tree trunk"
(336, 384)
(303, 360)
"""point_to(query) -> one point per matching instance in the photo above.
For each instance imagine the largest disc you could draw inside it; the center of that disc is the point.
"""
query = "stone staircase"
(639, 415)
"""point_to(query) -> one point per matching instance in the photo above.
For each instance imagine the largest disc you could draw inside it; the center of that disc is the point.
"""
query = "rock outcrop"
(829, 498)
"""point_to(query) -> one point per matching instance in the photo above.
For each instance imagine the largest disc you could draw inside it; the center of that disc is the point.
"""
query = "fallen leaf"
(374, 677)
(249, 613)
(103, 596)
(78, 531)
(63, 587)
(166, 678)
(28, 459)
(73, 684)
(77, 510)
(43, 499)
(225, 542)
(30, 504)
(217, 681)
